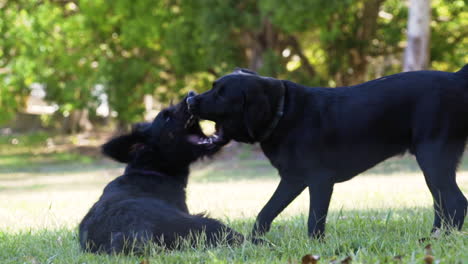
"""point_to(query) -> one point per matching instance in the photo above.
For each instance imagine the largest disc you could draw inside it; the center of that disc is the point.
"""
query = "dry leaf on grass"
(310, 259)
(347, 260)
(428, 249)
(398, 259)
(428, 259)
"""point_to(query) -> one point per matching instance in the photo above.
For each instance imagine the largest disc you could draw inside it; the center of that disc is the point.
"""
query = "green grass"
(368, 237)
(36, 152)
(373, 218)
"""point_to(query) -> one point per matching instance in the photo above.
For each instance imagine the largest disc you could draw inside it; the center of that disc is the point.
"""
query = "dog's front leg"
(320, 192)
(285, 193)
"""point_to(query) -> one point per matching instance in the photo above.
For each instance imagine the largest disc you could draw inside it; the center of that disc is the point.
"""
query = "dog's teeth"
(205, 141)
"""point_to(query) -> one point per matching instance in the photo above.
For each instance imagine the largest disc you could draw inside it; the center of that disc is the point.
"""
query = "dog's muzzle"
(190, 100)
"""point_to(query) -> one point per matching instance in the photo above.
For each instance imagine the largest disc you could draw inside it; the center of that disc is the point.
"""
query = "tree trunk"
(77, 121)
(296, 46)
(355, 71)
(122, 127)
(417, 49)
(257, 43)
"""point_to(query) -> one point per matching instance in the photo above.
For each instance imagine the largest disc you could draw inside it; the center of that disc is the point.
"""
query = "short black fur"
(328, 135)
(147, 203)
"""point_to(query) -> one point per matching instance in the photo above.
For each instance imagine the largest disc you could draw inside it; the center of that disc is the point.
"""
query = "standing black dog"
(317, 137)
(147, 203)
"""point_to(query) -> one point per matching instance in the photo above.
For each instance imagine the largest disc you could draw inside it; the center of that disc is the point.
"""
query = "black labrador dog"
(317, 137)
(147, 203)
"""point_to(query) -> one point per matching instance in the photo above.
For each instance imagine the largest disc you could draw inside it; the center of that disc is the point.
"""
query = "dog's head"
(243, 104)
(173, 136)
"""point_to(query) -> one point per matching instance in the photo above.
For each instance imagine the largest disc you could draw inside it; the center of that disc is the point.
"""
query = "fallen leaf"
(428, 259)
(145, 261)
(428, 249)
(310, 259)
(347, 260)
(398, 259)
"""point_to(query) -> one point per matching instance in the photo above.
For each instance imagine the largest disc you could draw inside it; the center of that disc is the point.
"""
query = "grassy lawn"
(45, 191)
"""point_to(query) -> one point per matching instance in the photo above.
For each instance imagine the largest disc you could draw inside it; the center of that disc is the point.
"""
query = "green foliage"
(449, 39)
(15, 66)
(166, 48)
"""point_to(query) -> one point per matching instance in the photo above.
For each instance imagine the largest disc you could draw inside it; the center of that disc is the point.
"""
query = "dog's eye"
(166, 116)
(220, 92)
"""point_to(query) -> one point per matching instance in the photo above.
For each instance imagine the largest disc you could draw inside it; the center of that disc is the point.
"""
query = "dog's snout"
(193, 102)
(190, 101)
(141, 127)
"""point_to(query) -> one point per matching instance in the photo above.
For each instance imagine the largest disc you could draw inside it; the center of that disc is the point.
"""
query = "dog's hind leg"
(320, 191)
(126, 243)
(438, 160)
(196, 229)
(216, 232)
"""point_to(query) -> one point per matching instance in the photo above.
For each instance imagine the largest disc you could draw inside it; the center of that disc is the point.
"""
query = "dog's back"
(364, 124)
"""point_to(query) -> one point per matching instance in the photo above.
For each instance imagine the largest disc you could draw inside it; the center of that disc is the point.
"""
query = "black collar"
(278, 115)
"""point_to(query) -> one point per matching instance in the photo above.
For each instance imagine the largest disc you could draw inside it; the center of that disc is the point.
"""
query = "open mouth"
(196, 135)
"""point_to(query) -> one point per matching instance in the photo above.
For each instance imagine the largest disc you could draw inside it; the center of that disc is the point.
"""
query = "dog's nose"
(190, 101)
(191, 94)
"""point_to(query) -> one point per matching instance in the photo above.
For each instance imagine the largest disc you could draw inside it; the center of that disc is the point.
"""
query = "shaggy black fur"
(147, 203)
(325, 136)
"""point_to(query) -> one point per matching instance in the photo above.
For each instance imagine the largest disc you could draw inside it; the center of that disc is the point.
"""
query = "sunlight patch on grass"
(66, 198)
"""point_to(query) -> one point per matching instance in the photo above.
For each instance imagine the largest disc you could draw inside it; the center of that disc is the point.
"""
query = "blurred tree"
(449, 35)
(417, 48)
(66, 59)
(15, 66)
(45, 42)
(167, 47)
(343, 30)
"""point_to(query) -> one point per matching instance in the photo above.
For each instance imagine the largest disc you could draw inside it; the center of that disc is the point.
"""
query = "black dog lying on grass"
(147, 203)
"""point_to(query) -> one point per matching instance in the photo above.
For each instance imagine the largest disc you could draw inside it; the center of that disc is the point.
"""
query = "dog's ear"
(122, 148)
(260, 101)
